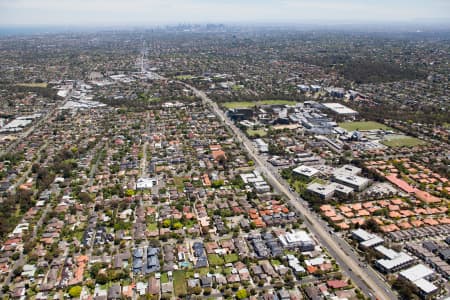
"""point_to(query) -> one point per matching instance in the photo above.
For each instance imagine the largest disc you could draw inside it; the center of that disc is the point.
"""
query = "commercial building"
(393, 261)
(419, 275)
(340, 109)
(325, 192)
(145, 183)
(355, 182)
(297, 239)
(348, 169)
(341, 190)
(306, 171)
(348, 175)
(262, 146)
(366, 239)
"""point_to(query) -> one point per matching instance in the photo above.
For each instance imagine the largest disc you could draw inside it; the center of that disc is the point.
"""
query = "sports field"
(363, 125)
(184, 77)
(402, 141)
(257, 132)
(32, 85)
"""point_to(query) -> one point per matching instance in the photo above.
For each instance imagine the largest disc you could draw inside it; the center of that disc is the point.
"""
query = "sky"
(161, 12)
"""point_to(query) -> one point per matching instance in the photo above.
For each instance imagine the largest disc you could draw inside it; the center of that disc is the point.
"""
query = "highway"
(365, 278)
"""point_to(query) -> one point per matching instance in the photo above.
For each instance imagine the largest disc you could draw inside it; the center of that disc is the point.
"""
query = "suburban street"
(366, 279)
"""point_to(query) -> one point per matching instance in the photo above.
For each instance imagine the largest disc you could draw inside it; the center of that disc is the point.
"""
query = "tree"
(242, 294)
(195, 290)
(84, 197)
(166, 223)
(102, 278)
(177, 225)
(129, 193)
(75, 291)
(406, 289)
(371, 225)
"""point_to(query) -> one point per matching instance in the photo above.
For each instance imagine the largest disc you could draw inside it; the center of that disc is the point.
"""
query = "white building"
(340, 109)
(323, 191)
(262, 146)
(145, 183)
(366, 239)
(419, 275)
(341, 190)
(357, 183)
(297, 239)
(306, 171)
(393, 260)
(348, 169)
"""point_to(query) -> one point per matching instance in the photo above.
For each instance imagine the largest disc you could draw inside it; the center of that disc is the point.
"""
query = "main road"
(365, 278)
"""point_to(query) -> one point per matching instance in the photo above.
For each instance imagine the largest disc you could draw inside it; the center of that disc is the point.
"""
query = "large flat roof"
(400, 259)
(351, 179)
(417, 272)
(320, 188)
(306, 171)
(340, 109)
(426, 286)
(298, 236)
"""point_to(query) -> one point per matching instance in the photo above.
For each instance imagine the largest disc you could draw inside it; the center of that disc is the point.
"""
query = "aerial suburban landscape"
(220, 161)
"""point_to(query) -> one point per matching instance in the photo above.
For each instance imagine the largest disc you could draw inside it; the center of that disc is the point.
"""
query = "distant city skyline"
(162, 12)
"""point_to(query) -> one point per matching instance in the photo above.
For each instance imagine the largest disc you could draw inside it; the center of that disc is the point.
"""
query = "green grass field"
(152, 226)
(231, 258)
(237, 87)
(38, 85)
(402, 141)
(179, 283)
(164, 278)
(179, 183)
(248, 104)
(184, 77)
(215, 260)
(275, 262)
(369, 125)
(259, 132)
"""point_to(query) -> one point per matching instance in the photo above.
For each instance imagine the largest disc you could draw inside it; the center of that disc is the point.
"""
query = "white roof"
(145, 183)
(351, 179)
(389, 253)
(363, 234)
(315, 261)
(341, 188)
(340, 109)
(372, 242)
(321, 189)
(417, 272)
(298, 236)
(426, 286)
(306, 171)
(401, 259)
(349, 169)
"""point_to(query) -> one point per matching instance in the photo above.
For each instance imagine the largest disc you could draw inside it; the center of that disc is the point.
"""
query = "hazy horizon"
(109, 13)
